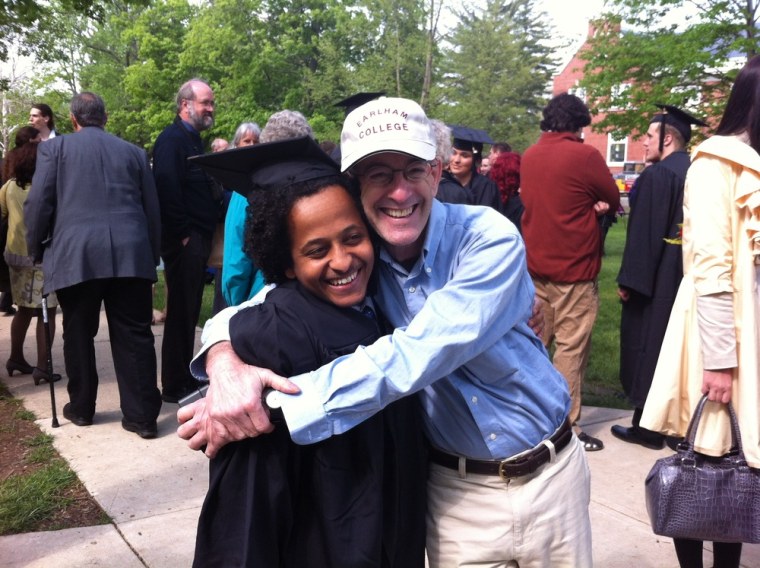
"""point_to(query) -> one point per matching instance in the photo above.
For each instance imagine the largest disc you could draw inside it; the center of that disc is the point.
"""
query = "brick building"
(615, 151)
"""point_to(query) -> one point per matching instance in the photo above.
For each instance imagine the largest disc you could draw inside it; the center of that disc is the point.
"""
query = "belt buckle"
(507, 462)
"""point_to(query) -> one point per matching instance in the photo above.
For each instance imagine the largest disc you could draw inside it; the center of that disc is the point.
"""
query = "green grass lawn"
(602, 386)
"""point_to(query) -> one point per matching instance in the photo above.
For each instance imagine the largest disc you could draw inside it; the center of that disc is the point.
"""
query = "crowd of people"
(380, 389)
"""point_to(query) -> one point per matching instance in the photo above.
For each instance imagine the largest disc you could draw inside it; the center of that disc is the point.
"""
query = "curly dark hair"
(565, 113)
(505, 172)
(267, 239)
(21, 162)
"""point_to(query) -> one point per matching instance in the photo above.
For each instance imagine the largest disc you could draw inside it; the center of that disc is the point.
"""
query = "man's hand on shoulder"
(232, 409)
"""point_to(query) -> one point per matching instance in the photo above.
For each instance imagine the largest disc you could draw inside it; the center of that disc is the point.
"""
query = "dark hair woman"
(26, 276)
(712, 343)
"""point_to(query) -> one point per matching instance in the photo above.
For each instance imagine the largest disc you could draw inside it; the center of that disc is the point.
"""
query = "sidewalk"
(153, 489)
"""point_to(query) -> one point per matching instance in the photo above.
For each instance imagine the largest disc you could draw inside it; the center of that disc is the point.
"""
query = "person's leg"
(543, 290)
(576, 307)
(41, 336)
(535, 521)
(727, 554)
(689, 552)
(184, 272)
(128, 304)
(19, 327)
(80, 305)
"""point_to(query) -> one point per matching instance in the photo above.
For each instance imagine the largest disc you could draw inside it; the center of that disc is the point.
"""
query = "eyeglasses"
(382, 176)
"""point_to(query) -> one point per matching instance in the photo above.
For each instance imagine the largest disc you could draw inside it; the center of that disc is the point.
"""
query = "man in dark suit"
(190, 208)
(93, 211)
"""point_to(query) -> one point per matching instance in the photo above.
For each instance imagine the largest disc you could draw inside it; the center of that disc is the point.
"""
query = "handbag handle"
(736, 438)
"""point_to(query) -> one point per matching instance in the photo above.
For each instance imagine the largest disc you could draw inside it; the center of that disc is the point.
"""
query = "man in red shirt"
(565, 185)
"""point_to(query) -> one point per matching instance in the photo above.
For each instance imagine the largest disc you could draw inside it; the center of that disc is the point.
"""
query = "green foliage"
(636, 60)
(497, 71)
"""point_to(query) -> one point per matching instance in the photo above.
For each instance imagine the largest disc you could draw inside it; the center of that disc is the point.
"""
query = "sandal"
(590, 444)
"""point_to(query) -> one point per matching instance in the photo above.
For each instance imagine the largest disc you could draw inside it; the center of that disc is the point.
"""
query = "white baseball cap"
(386, 125)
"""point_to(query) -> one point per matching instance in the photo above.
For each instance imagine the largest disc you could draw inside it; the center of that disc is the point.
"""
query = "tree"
(497, 71)
(637, 59)
(21, 20)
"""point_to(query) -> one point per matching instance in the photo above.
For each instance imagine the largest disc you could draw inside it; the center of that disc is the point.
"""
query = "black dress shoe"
(73, 418)
(146, 430)
(673, 441)
(640, 436)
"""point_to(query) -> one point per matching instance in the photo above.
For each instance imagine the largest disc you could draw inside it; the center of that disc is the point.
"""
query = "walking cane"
(49, 346)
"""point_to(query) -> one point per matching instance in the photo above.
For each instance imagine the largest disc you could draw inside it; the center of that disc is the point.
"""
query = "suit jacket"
(93, 210)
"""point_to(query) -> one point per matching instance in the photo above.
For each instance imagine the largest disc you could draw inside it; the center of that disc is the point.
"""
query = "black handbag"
(691, 495)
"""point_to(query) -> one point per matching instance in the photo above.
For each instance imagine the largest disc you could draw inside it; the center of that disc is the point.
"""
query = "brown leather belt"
(509, 468)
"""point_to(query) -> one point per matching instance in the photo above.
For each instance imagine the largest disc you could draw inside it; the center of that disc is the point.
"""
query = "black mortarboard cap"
(355, 101)
(678, 119)
(469, 139)
(268, 166)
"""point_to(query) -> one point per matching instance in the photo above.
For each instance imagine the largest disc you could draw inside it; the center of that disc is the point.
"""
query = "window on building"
(579, 92)
(616, 150)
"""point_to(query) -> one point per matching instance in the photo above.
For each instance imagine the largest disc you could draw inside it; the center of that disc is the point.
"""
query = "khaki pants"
(536, 521)
(569, 313)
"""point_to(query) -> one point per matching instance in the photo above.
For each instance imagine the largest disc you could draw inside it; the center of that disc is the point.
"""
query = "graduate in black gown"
(353, 500)
(652, 268)
(463, 167)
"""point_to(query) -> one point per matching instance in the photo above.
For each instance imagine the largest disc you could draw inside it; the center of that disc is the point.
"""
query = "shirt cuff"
(715, 314)
(304, 414)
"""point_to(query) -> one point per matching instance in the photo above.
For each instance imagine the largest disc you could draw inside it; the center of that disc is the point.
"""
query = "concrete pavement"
(153, 489)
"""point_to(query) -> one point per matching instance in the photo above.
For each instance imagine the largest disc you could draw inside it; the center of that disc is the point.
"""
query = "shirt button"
(428, 269)
(474, 400)
(412, 289)
(493, 436)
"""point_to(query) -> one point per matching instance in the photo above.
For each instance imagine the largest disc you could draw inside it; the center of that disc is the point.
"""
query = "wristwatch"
(272, 401)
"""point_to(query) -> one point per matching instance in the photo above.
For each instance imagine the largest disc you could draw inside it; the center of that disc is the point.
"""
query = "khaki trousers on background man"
(569, 314)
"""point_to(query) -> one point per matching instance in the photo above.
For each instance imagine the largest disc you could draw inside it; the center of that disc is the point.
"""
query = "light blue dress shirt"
(241, 280)
(486, 383)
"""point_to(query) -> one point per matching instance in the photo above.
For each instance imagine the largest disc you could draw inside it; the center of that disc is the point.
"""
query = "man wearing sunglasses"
(508, 480)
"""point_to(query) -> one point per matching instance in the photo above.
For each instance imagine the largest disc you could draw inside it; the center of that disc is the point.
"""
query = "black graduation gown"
(651, 270)
(480, 190)
(354, 500)
(449, 191)
(484, 191)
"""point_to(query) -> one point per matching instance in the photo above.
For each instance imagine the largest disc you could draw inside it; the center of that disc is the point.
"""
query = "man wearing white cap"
(508, 480)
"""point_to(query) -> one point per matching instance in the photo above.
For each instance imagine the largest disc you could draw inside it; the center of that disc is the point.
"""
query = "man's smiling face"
(399, 210)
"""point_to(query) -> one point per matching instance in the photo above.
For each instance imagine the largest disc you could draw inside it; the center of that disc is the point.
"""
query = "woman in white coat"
(711, 345)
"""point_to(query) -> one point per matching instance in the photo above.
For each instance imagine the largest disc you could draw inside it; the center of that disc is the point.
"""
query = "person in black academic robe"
(449, 191)
(355, 500)
(348, 501)
(651, 271)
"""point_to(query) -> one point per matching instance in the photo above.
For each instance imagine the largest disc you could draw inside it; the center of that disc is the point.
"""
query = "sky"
(570, 19)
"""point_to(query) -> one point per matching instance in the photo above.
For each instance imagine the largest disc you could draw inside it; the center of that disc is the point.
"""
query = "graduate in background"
(651, 268)
(465, 158)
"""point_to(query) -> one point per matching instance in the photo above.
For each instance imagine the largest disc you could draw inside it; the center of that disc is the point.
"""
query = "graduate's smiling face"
(461, 162)
(330, 247)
